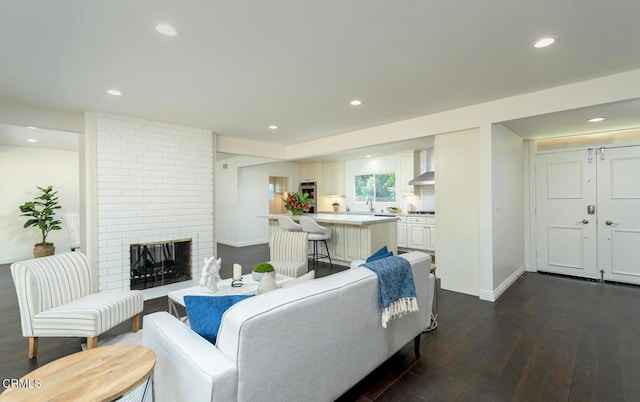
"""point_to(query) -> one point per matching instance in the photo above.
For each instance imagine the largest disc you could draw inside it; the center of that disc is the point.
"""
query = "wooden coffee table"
(100, 374)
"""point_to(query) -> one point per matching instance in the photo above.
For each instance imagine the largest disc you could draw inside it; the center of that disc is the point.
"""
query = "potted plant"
(262, 268)
(41, 214)
(297, 203)
(336, 205)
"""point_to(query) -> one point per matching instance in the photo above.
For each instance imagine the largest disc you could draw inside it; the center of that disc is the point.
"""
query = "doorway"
(588, 213)
(278, 187)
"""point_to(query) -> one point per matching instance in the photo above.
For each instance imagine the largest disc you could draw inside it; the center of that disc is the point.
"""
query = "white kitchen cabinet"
(407, 168)
(402, 231)
(336, 244)
(417, 233)
(334, 179)
(352, 241)
(311, 172)
(431, 234)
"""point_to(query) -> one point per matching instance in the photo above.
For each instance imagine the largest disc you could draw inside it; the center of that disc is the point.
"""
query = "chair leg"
(328, 254)
(92, 342)
(33, 347)
(135, 323)
(416, 345)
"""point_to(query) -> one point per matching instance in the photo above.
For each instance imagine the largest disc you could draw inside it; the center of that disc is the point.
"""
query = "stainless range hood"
(427, 177)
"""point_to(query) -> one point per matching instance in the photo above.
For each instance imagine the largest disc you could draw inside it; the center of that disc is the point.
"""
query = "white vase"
(257, 276)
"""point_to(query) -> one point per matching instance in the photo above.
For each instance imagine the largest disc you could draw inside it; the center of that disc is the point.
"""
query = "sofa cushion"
(205, 313)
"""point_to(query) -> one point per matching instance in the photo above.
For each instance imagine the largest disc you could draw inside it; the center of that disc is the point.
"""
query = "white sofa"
(310, 342)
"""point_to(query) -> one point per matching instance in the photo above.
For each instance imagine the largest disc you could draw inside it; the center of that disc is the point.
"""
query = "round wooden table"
(100, 374)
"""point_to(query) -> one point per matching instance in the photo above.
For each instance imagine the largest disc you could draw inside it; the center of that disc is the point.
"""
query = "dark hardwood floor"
(547, 338)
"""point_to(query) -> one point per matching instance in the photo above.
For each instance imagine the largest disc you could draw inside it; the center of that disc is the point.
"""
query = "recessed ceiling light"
(544, 42)
(596, 119)
(32, 140)
(32, 127)
(166, 29)
(114, 92)
(355, 102)
(367, 156)
(273, 127)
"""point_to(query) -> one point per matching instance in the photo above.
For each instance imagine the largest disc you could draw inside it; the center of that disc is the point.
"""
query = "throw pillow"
(205, 313)
(306, 277)
(382, 253)
(267, 284)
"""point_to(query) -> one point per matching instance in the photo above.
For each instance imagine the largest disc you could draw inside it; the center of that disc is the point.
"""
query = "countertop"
(376, 213)
(343, 218)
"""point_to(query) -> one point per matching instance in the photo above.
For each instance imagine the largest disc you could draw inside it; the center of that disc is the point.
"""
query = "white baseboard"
(497, 292)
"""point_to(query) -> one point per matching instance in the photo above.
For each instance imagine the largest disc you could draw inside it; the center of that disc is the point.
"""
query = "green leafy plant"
(41, 212)
(297, 203)
(263, 267)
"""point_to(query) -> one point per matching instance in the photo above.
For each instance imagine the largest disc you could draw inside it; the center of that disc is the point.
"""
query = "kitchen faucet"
(370, 203)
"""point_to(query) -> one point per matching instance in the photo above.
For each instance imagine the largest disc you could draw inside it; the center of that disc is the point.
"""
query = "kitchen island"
(353, 237)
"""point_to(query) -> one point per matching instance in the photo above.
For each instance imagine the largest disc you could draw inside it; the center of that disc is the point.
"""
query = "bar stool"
(288, 225)
(316, 233)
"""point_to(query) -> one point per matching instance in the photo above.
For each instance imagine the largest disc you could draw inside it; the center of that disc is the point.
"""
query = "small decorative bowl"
(257, 276)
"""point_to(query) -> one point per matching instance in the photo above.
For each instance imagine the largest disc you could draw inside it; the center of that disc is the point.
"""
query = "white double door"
(588, 213)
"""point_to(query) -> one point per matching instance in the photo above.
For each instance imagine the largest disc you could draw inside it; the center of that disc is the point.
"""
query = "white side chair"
(56, 299)
(72, 223)
(289, 253)
(288, 225)
(317, 234)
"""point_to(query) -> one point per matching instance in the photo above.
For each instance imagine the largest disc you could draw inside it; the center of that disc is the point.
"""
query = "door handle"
(609, 223)
(585, 221)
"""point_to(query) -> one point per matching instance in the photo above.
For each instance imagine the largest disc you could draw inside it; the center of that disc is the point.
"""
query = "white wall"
(22, 169)
(458, 210)
(154, 183)
(243, 195)
(508, 207)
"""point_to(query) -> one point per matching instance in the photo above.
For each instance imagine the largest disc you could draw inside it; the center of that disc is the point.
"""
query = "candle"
(237, 272)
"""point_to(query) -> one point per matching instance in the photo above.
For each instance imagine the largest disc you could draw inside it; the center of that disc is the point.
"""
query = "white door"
(619, 214)
(566, 233)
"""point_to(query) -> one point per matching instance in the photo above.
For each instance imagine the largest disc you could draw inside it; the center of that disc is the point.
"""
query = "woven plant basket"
(43, 250)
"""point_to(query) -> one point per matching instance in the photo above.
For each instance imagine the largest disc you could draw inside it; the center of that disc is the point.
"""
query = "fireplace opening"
(160, 263)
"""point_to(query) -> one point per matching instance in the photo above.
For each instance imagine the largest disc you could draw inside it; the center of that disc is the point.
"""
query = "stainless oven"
(310, 187)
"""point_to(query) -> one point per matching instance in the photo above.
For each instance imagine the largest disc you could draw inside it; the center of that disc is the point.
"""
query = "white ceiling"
(52, 139)
(239, 66)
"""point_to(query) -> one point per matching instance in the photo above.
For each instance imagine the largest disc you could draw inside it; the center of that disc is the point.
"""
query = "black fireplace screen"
(160, 263)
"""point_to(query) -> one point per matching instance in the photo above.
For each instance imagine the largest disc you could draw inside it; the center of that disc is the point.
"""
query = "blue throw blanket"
(396, 288)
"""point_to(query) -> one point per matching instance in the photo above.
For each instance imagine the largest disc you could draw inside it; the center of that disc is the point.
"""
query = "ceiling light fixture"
(544, 42)
(32, 127)
(596, 119)
(273, 127)
(355, 102)
(166, 29)
(114, 92)
(32, 140)
(367, 156)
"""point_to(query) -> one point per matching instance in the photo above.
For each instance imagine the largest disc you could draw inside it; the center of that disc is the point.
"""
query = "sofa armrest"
(188, 367)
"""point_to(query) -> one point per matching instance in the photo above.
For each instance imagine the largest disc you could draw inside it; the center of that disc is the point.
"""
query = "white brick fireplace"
(155, 183)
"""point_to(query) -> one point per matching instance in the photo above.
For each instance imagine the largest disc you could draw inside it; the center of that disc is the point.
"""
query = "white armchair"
(55, 299)
(288, 253)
